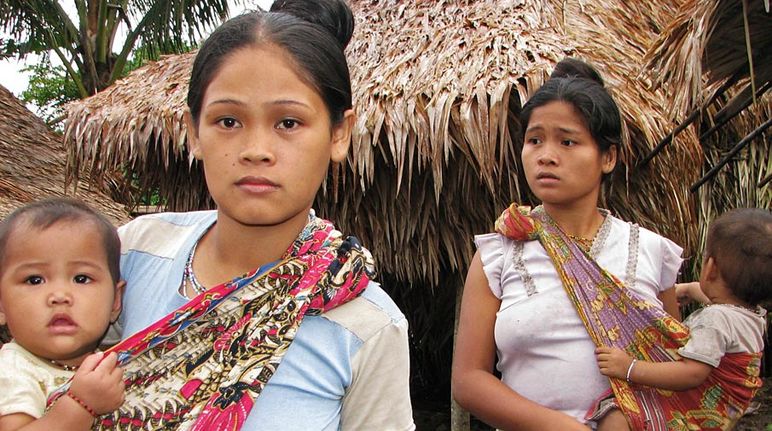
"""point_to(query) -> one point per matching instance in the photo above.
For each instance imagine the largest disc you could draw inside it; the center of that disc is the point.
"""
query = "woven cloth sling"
(203, 366)
(616, 316)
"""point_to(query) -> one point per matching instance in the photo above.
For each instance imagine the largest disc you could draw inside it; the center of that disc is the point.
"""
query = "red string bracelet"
(82, 403)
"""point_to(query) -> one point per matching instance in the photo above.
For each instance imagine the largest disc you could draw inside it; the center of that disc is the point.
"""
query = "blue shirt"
(346, 369)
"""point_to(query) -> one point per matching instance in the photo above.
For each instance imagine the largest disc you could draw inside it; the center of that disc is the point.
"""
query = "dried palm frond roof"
(438, 88)
(715, 62)
(32, 163)
(708, 43)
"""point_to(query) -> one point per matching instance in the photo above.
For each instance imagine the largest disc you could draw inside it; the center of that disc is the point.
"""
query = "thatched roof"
(705, 46)
(33, 162)
(715, 62)
(438, 90)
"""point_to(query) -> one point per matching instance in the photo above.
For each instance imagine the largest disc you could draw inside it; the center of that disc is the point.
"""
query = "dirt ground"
(760, 420)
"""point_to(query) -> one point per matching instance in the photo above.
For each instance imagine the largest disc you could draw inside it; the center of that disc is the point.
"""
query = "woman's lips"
(257, 185)
(547, 178)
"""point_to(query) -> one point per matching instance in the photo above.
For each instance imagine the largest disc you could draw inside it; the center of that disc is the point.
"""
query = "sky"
(12, 77)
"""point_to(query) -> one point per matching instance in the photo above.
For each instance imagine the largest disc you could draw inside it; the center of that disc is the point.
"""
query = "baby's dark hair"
(48, 212)
(579, 84)
(313, 32)
(740, 243)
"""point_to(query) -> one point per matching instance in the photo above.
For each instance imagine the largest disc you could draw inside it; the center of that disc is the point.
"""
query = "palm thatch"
(709, 43)
(438, 89)
(33, 163)
(715, 60)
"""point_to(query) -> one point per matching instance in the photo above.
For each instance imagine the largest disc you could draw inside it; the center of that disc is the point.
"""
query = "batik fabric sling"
(616, 316)
(203, 366)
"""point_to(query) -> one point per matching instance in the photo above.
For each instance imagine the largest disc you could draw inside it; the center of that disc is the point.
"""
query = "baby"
(60, 288)
(736, 277)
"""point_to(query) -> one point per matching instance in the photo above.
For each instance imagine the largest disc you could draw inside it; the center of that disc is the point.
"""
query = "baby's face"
(56, 292)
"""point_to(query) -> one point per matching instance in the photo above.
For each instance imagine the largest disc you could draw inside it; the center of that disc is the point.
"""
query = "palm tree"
(85, 45)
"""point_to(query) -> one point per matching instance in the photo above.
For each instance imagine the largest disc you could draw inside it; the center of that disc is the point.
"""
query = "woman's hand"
(613, 362)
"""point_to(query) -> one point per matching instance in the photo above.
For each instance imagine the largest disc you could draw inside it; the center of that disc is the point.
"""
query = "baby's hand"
(688, 292)
(613, 362)
(99, 383)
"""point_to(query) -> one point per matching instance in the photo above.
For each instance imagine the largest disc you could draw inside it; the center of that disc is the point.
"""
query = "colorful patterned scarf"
(618, 317)
(203, 366)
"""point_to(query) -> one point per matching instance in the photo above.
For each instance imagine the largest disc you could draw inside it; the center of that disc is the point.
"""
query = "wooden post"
(459, 418)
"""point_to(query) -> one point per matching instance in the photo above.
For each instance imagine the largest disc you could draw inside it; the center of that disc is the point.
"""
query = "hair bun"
(572, 68)
(334, 15)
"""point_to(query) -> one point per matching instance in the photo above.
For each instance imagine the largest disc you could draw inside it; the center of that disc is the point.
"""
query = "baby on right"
(726, 336)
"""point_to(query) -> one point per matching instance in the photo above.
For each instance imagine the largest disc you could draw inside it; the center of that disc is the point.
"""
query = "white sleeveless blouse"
(544, 351)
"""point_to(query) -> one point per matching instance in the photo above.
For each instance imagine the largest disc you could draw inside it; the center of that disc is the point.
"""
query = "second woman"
(302, 338)
(519, 304)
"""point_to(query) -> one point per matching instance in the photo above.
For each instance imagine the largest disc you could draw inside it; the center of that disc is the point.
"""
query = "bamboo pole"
(727, 114)
(690, 119)
(736, 149)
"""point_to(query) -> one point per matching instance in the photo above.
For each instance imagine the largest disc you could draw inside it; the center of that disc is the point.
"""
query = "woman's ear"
(341, 137)
(609, 159)
(115, 311)
(193, 142)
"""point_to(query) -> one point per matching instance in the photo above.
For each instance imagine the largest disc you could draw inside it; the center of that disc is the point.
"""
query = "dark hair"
(740, 243)
(313, 32)
(48, 212)
(577, 83)
(573, 68)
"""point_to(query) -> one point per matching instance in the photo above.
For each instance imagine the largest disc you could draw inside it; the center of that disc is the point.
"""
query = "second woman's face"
(265, 138)
(562, 161)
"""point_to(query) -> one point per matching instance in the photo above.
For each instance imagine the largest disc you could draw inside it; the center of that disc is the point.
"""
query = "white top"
(26, 381)
(719, 329)
(544, 351)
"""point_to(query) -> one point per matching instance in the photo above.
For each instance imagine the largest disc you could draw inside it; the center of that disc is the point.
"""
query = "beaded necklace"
(65, 367)
(190, 276)
(584, 243)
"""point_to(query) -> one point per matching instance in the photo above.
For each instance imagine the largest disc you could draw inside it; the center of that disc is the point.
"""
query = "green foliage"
(50, 88)
(84, 39)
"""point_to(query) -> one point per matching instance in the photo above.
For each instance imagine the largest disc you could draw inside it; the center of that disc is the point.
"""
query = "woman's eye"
(229, 123)
(34, 280)
(81, 279)
(533, 141)
(288, 123)
(568, 142)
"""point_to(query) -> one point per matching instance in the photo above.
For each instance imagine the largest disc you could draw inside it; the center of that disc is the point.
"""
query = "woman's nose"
(547, 157)
(258, 149)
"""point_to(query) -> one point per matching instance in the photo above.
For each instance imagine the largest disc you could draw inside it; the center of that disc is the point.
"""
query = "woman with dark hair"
(260, 315)
(538, 292)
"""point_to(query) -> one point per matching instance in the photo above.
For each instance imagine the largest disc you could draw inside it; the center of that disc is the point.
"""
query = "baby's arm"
(98, 384)
(672, 375)
(688, 292)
